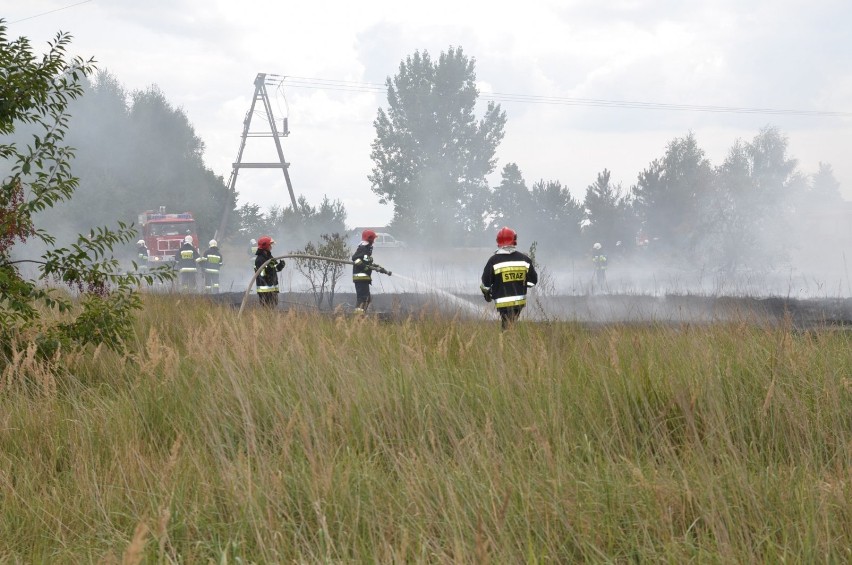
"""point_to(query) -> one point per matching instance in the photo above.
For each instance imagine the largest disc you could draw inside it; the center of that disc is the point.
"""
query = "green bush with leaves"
(97, 305)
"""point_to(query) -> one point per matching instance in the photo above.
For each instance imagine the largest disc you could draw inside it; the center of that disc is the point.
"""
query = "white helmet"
(188, 239)
(213, 243)
(140, 242)
(596, 246)
(254, 242)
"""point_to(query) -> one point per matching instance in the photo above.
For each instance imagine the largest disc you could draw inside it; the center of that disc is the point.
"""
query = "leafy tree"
(431, 155)
(252, 222)
(825, 188)
(323, 276)
(558, 218)
(730, 214)
(672, 195)
(293, 227)
(511, 201)
(750, 221)
(820, 211)
(136, 152)
(37, 91)
(168, 162)
(771, 168)
(307, 223)
(776, 182)
(609, 214)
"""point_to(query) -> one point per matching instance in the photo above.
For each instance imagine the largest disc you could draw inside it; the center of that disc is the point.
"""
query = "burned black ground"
(591, 309)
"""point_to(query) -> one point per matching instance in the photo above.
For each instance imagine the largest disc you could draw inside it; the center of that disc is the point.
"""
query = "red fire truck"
(164, 233)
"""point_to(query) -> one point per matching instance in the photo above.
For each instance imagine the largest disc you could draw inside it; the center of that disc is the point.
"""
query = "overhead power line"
(367, 87)
(50, 11)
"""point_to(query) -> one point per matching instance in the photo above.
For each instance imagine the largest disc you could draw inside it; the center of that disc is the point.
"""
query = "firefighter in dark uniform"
(142, 255)
(267, 279)
(599, 261)
(187, 258)
(362, 267)
(507, 276)
(212, 263)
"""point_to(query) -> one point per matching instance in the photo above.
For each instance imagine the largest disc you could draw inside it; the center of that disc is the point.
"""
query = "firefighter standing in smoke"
(252, 251)
(142, 255)
(362, 266)
(212, 263)
(507, 276)
(187, 258)
(267, 279)
(599, 260)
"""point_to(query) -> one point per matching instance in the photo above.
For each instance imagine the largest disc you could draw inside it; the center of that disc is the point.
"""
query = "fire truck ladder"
(260, 93)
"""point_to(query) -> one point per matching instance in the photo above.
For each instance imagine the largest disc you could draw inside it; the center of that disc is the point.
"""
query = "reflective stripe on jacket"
(213, 260)
(507, 276)
(267, 279)
(186, 258)
(362, 261)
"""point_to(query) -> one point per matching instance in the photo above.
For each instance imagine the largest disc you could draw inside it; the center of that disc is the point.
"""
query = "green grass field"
(302, 438)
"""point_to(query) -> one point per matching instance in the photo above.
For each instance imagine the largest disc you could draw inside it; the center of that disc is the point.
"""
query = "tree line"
(431, 157)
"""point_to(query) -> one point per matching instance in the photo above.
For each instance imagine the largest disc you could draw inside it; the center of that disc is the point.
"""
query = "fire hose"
(373, 267)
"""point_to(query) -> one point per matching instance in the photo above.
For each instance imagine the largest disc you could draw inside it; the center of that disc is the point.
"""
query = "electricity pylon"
(260, 94)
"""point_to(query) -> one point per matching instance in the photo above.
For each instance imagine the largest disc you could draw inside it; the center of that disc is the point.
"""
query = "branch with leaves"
(36, 91)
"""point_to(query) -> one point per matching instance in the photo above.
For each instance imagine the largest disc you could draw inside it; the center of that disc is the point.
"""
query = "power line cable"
(365, 87)
(51, 11)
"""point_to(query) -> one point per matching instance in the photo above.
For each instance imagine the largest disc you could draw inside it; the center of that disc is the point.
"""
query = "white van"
(387, 240)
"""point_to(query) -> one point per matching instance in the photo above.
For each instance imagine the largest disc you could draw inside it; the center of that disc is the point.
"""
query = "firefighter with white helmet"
(267, 279)
(142, 255)
(187, 259)
(599, 261)
(362, 268)
(212, 260)
(252, 251)
(507, 276)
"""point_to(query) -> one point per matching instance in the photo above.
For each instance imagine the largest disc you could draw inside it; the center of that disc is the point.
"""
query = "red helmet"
(368, 235)
(265, 242)
(506, 236)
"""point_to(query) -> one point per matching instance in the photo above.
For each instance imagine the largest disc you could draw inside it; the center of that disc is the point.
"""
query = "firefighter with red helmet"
(362, 267)
(267, 278)
(187, 259)
(507, 276)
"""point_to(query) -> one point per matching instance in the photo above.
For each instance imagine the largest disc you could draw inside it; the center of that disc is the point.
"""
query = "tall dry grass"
(306, 438)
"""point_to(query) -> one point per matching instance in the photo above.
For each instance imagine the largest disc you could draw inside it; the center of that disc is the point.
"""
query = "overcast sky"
(204, 56)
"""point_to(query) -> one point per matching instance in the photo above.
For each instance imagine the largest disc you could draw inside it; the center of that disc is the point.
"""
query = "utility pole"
(260, 94)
